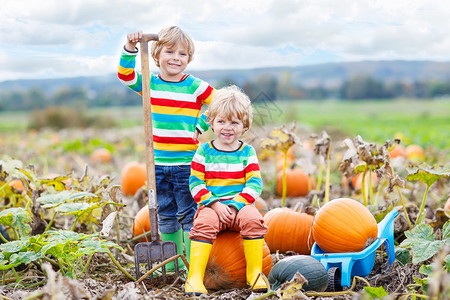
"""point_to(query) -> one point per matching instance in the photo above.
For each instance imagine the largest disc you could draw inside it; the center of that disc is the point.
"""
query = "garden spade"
(155, 251)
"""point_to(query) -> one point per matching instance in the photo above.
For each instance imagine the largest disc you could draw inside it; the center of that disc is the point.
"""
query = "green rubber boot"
(187, 245)
(176, 237)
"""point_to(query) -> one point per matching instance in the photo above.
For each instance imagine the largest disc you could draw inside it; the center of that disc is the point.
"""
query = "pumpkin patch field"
(74, 204)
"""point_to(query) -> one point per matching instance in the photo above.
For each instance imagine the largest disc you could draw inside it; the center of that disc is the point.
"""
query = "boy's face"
(173, 60)
(228, 132)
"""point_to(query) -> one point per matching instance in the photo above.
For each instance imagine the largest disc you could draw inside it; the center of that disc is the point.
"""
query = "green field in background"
(422, 122)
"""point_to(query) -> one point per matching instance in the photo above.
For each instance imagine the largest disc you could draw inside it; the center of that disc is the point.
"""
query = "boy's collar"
(181, 79)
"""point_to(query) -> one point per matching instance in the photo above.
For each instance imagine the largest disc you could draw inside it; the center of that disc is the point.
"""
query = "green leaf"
(83, 196)
(56, 182)
(428, 176)
(426, 269)
(422, 243)
(14, 246)
(447, 262)
(376, 292)
(57, 240)
(79, 208)
(91, 246)
(28, 256)
(423, 282)
(360, 168)
(446, 233)
(53, 200)
(402, 256)
(18, 218)
(11, 166)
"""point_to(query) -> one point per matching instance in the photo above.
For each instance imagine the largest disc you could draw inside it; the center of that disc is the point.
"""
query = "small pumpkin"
(18, 185)
(447, 204)
(133, 177)
(288, 230)
(297, 183)
(357, 180)
(141, 223)
(261, 206)
(226, 268)
(306, 265)
(415, 153)
(101, 155)
(447, 207)
(398, 151)
(290, 159)
(344, 225)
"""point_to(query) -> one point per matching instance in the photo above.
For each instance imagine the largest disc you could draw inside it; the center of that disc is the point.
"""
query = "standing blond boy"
(176, 102)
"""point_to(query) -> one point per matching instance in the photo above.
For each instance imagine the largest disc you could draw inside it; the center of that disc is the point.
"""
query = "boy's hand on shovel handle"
(132, 39)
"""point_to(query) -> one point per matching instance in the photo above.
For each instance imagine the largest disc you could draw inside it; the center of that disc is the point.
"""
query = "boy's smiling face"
(228, 131)
(173, 60)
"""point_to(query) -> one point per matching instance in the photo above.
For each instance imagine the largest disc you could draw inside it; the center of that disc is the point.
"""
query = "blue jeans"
(176, 207)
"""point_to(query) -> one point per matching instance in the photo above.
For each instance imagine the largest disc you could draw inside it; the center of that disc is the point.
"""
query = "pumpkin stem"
(283, 197)
(422, 206)
(404, 207)
(327, 177)
(371, 199)
(363, 187)
(319, 178)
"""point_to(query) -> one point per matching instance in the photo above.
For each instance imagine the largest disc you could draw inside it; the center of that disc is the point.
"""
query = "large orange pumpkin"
(226, 268)
(141, 223)
(344, 225)
(297, 183)
(288, 231)
(133, 177)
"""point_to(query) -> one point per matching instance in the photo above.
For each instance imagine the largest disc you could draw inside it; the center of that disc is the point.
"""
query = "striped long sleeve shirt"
(230, 177)
(176, 108)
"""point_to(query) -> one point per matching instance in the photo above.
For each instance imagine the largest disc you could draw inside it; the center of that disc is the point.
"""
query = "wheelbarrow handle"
(149, 153)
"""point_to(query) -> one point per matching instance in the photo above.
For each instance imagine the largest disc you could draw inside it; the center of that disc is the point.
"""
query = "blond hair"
(170, 37)
(231, 102)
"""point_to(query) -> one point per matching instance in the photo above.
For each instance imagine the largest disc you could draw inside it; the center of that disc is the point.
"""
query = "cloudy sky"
(54, 38)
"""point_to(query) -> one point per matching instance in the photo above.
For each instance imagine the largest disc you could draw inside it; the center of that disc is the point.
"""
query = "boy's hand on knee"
(224, 212)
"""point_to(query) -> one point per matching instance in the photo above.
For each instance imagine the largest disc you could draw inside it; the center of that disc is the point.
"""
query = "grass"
(420, 122)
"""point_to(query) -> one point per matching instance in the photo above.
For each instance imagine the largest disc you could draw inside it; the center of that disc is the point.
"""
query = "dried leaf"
(293, 288)
(108, 223)
(322, 145)
(281, 139)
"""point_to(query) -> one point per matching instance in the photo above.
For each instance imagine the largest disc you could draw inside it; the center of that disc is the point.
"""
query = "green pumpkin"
(308, 266)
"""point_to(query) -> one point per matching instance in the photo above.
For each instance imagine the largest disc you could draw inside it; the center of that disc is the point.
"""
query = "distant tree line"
(275, 87)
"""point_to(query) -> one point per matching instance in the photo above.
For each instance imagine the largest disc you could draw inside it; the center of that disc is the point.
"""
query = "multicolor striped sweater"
(232, 177)
(176, 108)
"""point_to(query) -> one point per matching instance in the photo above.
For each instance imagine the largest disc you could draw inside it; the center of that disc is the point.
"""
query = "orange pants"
(248, 221)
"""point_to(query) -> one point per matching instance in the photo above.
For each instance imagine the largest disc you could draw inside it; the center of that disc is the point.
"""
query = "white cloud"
(80, 37)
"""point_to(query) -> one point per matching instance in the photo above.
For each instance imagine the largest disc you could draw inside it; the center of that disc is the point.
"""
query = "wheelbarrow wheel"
(334, 280)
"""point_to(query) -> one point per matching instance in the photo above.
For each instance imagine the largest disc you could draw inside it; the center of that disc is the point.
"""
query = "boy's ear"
(156, 58)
